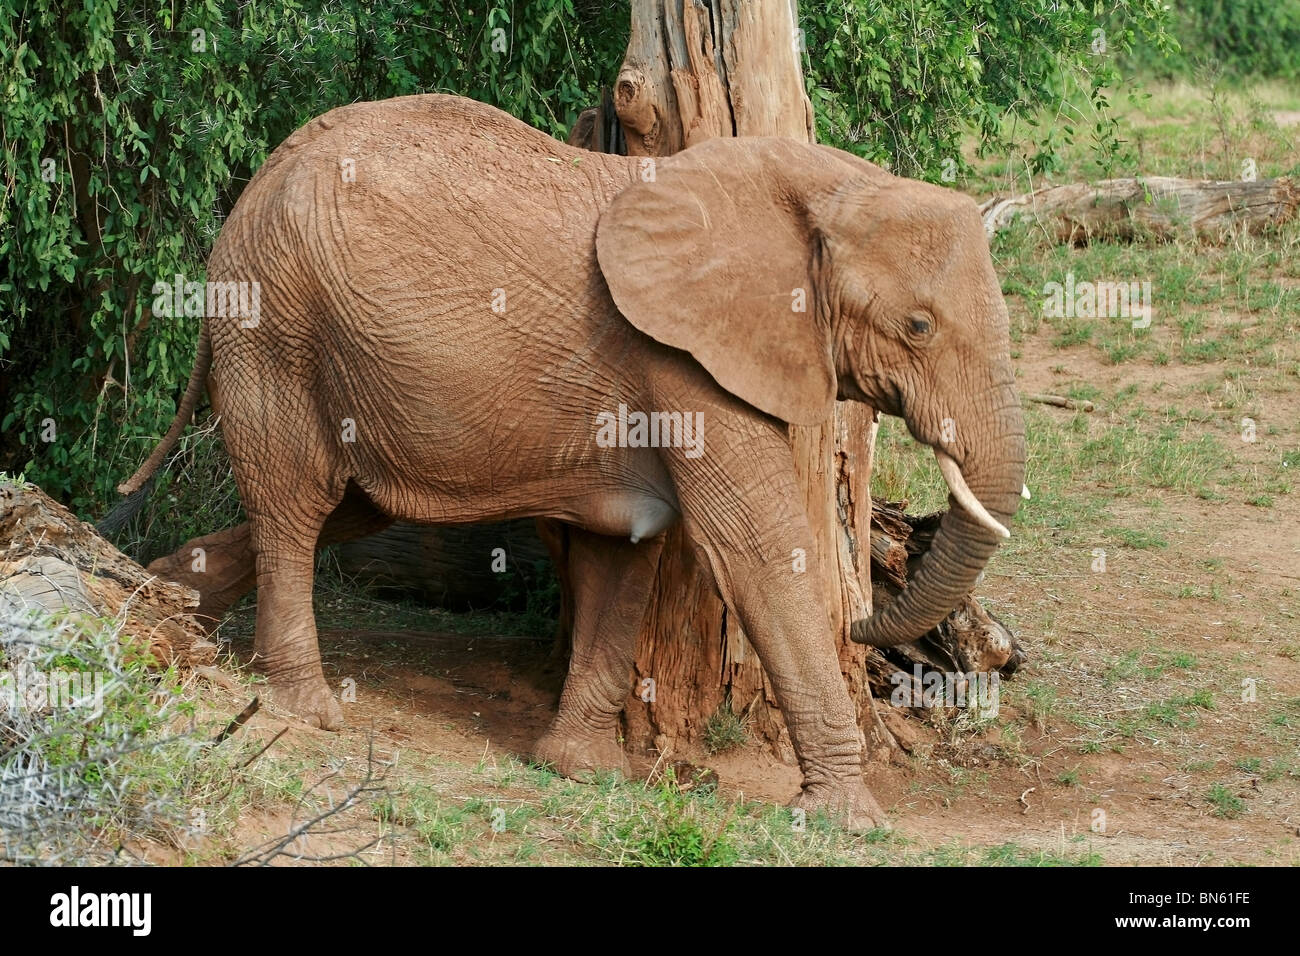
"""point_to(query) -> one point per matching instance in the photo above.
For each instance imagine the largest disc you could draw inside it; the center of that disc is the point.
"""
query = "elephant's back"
(420, 149)
(428, 236)
(372, 181)
(426, 120)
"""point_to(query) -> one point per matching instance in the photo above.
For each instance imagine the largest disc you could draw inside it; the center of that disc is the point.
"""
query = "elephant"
(461, 319)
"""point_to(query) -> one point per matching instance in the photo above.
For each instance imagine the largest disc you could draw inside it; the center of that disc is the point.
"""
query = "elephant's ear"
(713, 256)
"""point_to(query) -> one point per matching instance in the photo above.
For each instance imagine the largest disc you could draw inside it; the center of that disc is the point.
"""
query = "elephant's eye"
(920, 325)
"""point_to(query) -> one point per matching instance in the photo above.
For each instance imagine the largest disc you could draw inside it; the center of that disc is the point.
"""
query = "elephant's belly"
(632, 507)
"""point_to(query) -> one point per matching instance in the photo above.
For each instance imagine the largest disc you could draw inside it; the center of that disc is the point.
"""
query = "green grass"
(1139, 539)
(1180, 129)
(1148, 665)
(725, 730)
(1180, 711)
(905, 470)
(673, 830)
(1081, 466)
(628, 823)
(1214, 304)
(1226, 804)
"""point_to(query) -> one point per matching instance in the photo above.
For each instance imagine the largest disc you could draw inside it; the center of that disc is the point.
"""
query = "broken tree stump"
(51, 562)
(1161, 206)
(969, 640)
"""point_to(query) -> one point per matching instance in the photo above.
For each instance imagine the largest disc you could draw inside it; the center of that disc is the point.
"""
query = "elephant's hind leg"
(612, 581)
(284, 539)
(285, 646)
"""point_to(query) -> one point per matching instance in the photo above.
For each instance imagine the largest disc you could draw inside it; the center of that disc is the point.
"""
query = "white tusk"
(965, 497)
(1024, 492)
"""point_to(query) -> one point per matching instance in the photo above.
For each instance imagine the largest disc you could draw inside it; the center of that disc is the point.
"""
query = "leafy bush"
(1258, 38)
(901, 84)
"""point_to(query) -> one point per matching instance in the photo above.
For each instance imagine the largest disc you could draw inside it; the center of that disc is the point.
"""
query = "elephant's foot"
(581, 757)
(310, 701)
(848, 802)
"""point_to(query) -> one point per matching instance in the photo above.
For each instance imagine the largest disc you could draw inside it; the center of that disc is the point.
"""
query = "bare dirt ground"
(1034, 780)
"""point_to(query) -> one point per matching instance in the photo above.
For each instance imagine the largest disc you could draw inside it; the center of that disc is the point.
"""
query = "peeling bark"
(696, 70)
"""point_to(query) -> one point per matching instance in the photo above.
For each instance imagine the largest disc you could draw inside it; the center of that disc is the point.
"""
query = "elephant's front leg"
(612, 581)
(784, 618)
(743, 511)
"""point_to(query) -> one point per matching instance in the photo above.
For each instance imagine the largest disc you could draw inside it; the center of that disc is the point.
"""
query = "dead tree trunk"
(694, 71)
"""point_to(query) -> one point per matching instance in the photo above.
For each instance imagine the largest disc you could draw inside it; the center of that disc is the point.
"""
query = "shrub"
(902, 84)
(1257, 38)
(85, 751)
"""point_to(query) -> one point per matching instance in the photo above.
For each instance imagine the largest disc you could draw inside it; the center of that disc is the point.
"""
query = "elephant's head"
(797, 274)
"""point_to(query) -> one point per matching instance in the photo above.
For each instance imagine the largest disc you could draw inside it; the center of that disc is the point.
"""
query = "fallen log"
(53, 563)
(1162, 206)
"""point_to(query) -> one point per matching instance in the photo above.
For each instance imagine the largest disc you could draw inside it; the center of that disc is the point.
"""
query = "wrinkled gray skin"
(380, 383)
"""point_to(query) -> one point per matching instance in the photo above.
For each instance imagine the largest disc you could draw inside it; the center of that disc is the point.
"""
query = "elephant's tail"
(198, 377)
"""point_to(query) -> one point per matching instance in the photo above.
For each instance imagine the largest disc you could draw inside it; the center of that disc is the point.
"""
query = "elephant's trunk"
(980, 505)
